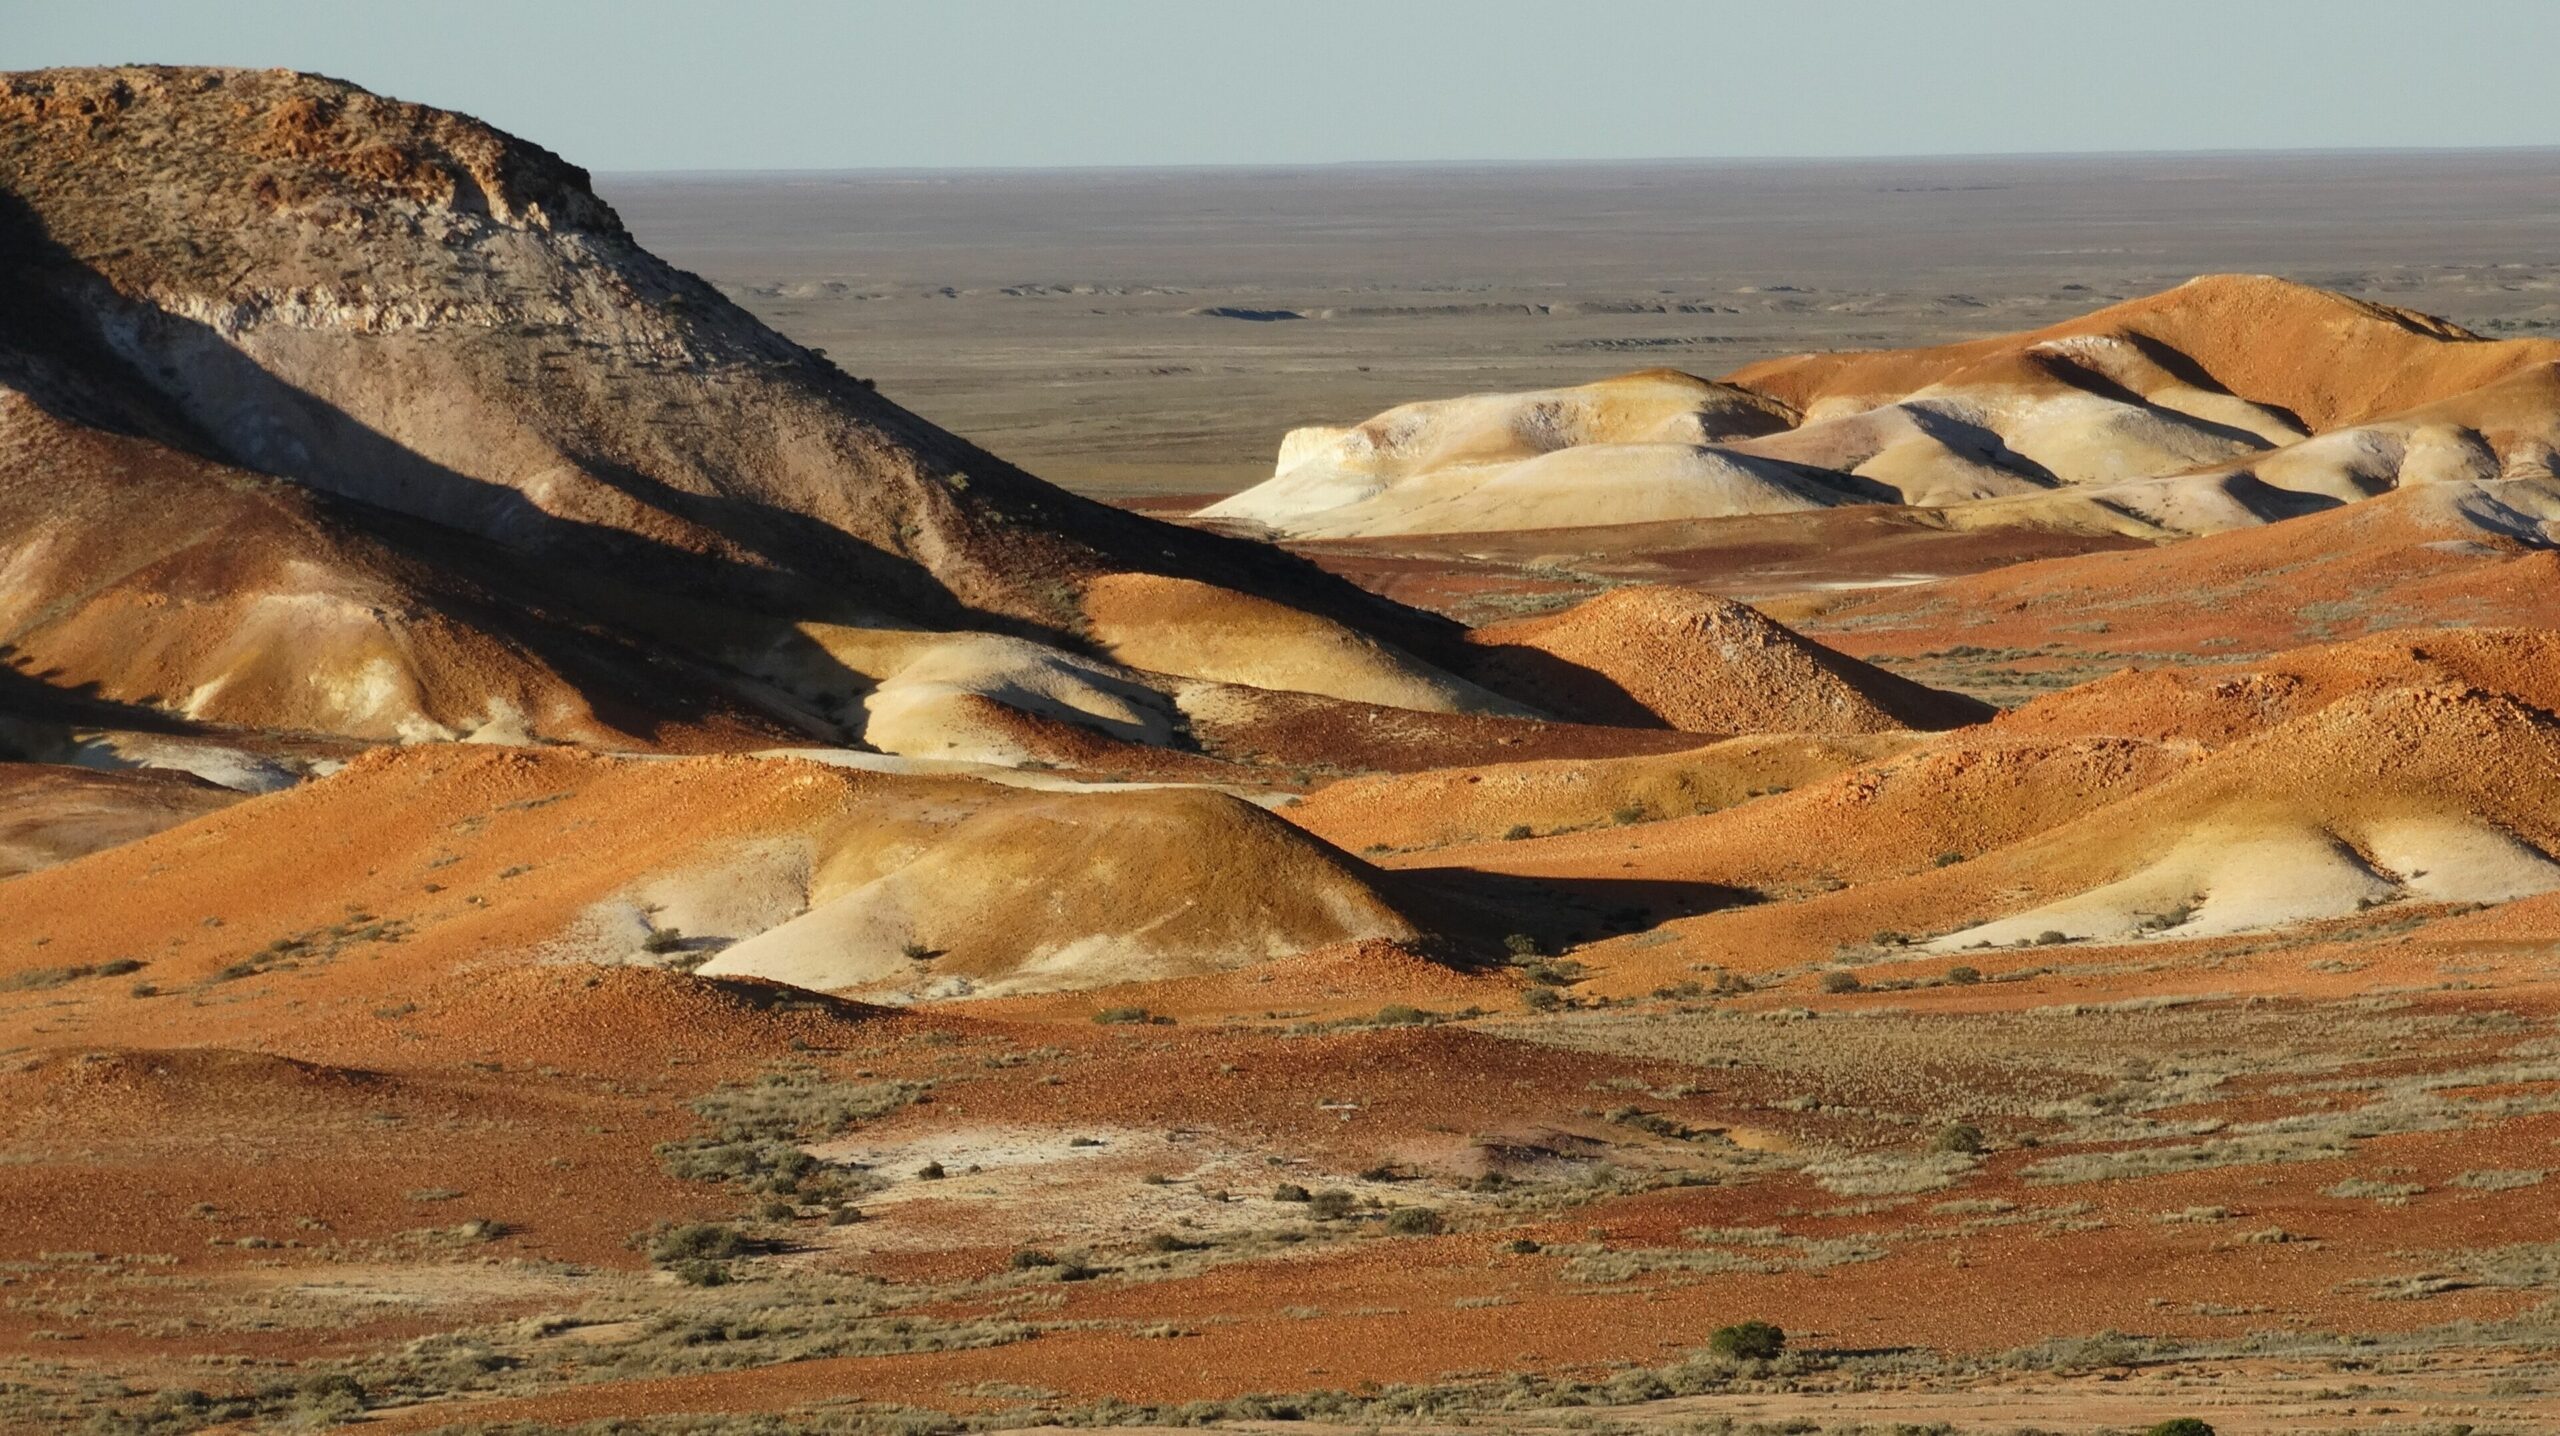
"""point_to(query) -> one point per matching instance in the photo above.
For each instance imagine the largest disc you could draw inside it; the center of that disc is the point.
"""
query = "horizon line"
(1630, 161)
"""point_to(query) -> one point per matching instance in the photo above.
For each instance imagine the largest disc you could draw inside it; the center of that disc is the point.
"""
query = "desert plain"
(1686, 798)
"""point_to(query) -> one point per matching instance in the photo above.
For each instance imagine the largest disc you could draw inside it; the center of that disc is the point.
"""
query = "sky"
(623, 85)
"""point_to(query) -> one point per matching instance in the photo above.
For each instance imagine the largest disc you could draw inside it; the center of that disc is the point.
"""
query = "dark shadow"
(1979, 444)
(1484, 910)
(1557, 686)
(2188, 371)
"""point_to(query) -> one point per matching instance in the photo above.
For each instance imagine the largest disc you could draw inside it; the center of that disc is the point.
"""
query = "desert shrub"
(2051, 937)
(1414, 1222)
(1630, 813)
(2180, 1426)
(1331, 1203)
(1397, 1014)
(1838, 982)
(1963, 976)
(931, 1172)
(1749, 1341)
(1947, 860)
(1517, 831)
(1958, 1137)
(1030, 1259)
(697, 1241)
(1122, 1016)
(2395, 1193)
(1541, 999)
(663, 940)
(1290, 1192)
(1521, 945)
(330, 1396)
(1169, 1242)
(1523, 1246)
(2498, 1181)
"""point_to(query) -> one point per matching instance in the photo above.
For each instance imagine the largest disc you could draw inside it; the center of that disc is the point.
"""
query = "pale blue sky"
(794, 84)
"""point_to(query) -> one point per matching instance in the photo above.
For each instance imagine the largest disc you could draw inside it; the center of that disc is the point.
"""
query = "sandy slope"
(1707, 665)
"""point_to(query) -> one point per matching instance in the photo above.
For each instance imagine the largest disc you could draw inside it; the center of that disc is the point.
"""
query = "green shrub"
(697, 1241)
(1963, 976)
(1749, 1341)
(1414, 1222)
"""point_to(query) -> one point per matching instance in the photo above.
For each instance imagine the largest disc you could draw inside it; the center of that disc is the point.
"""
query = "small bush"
(1031, 1259)
(663, 940)
(1963, 976)
(2052, 937)
(1517, 831)
(1541, 999)
(1749, 1341)
(2181, 1426)
(1331, 1203)
(1122, 1016)
(1947, 860)
(1521, 945)
(697, 1241)
(1958, 1137)
(1836, 982)
(1523, 1246)
(1414, 1222)
(931, 1172)
(1291, 1192)
(1397, 1014)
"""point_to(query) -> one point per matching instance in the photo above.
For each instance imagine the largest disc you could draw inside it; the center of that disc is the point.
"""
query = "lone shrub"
(2181, 1426)
(1414, 1222)
(1331, 1203)
(1841, 982)
(1958, 1137)
(1121, 1016)
(1749, 1341)
(697, 1241)
(1963, 976)
(1291, 1192)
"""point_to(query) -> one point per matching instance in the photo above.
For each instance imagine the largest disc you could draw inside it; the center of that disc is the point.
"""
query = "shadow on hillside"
(774, 564)
(1483, 911)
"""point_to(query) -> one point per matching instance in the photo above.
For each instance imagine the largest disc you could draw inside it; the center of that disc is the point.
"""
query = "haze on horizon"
(795, 84)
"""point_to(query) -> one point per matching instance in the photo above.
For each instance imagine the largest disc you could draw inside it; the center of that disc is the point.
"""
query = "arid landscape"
(1584, 798)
